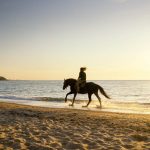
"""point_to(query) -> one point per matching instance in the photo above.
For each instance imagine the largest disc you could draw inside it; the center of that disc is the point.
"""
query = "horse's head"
(69, 82)
(65, 84)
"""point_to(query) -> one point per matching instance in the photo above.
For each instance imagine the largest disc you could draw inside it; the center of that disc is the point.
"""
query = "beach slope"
(28, 127)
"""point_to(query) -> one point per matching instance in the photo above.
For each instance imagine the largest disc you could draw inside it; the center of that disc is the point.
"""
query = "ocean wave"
(50, 99)
(16, 98)
(54, 99)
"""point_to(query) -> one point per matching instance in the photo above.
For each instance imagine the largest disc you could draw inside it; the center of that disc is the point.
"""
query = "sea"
(127, 96)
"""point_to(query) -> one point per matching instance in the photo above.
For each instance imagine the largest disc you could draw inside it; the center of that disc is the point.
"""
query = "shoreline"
(31, 127)
(107, 106)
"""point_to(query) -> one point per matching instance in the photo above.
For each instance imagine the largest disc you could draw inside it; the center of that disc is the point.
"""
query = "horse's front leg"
(75, 94)
(67, 95)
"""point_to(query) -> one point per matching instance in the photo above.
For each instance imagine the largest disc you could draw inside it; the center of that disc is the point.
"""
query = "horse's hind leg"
(96, 94)
(90, 99)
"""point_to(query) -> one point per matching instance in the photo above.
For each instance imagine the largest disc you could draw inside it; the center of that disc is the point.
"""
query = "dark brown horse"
(89, 88)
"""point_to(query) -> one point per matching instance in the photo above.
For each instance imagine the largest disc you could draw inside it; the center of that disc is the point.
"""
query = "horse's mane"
(71, 79)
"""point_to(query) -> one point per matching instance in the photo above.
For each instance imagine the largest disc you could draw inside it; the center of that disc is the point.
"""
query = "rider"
(81, 79)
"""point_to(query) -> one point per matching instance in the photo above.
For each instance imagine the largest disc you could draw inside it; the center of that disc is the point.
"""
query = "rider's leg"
(77, 87)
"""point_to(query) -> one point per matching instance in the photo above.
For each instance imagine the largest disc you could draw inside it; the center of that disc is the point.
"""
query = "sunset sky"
(52, 39)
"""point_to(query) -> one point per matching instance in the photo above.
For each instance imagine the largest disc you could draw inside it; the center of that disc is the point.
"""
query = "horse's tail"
(103, 92)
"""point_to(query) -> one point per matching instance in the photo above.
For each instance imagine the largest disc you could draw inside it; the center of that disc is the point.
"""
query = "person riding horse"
(86, 87)
(90, 88)
(81, 79)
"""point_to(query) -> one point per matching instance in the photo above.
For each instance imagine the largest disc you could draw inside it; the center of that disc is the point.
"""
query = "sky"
(52, 39)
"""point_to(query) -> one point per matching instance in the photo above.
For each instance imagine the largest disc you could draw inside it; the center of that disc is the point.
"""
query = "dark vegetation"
(2, 78)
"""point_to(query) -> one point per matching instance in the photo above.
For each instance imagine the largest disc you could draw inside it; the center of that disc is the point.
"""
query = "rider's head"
(82, 68)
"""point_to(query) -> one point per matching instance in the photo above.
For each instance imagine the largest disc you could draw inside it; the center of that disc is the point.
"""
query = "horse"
(89, 88)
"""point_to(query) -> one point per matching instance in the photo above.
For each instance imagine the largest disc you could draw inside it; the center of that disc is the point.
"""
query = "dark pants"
(79, 84)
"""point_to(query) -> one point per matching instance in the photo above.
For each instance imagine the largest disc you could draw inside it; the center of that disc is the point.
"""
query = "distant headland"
(2, 78)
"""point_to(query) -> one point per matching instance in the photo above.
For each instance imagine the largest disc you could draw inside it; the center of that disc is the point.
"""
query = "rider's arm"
(79, 78)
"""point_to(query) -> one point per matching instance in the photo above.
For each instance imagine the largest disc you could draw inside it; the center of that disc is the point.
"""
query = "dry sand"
(27, 127)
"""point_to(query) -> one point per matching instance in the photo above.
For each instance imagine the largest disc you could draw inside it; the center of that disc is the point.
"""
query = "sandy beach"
(28, 127)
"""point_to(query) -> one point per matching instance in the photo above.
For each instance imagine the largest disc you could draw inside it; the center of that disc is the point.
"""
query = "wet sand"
(30, 127)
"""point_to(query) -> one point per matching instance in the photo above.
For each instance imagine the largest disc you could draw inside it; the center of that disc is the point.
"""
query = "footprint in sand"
(74, 145)
(139, 138)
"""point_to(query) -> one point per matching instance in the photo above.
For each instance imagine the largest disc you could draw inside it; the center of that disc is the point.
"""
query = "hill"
(2, 78)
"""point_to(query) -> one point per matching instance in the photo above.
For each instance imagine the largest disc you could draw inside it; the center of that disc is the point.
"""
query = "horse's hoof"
(84, 106)
(70, 105)
(99, 107)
